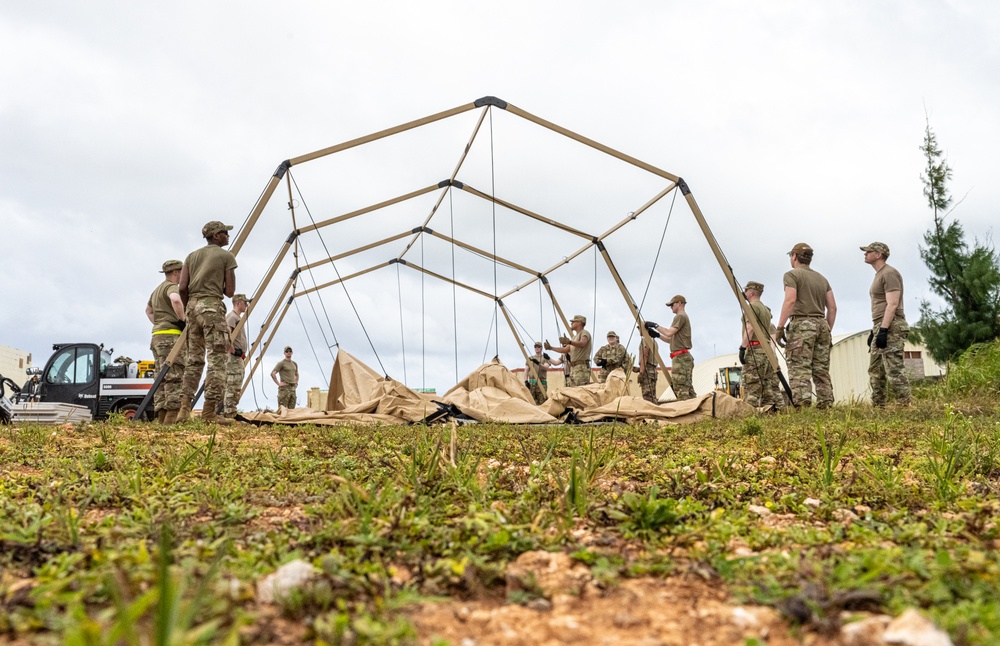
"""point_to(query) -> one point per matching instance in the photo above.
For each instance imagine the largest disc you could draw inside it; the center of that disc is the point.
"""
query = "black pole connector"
(499, 302)
(600, 244)
(491, 100)
(291, 237)
(417, 230)
(681, 184)
(457, 184)
(290, 299)
(427, 230)
(295, 273)
(444, 183)
(282, 168)
(545, 279)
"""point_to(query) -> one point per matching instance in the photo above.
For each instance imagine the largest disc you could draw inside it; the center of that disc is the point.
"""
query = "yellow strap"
(167, 332)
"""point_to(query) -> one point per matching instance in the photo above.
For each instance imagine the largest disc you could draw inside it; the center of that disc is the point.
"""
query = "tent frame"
(277, 312)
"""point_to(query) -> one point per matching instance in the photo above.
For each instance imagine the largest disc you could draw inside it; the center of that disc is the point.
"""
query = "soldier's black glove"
(535, 361)
(653, 333)
(871, 335)
(743, 355)
(181, 325)
(601, 362)
(238, 352)
(882, 338)
(650, 326)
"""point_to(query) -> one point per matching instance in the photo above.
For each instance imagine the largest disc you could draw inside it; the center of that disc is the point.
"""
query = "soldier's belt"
(585, 362)
(751, 344)
(678, 353)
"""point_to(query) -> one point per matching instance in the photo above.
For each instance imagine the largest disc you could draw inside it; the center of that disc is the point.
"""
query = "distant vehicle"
(84, 374)
(728, 380)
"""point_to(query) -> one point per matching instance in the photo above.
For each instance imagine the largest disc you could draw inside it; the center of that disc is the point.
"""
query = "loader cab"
(72, 374)
(728, 380)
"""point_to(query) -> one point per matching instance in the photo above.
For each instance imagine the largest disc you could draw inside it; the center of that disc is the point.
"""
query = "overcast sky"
(125, 126)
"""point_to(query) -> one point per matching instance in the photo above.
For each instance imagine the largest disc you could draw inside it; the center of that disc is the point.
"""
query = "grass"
(116, 533)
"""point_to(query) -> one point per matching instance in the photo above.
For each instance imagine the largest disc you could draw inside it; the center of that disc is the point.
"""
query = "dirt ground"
(571, 609)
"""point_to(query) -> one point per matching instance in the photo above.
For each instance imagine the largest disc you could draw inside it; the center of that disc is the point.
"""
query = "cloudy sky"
(125, 126)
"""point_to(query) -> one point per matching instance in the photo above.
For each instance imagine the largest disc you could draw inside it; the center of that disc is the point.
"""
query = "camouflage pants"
(234, 383)
(647, 383)
(579, 374)
(681, 368)
(168, 395)
(207, 331)
(885, 367)
(537, 389)
(760, 382)
(808, 357)
(286, 396)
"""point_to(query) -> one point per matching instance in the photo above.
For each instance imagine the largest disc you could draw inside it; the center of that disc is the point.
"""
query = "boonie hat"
(288, 348)
(240, 297)
(214, 227)
(880, 247)
(801, 248)
(171, 265)
(581, 318)
(754, 285)
(612, 333)
(677, 299)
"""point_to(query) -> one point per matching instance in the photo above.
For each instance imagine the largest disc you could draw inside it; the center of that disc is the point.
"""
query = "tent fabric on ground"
(491, 393)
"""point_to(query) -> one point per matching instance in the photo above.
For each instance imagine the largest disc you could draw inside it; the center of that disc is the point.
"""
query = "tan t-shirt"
(233, 319)
(164, 317)
(681, 340)
(886, 280)
(763, 314)
(287, 369)
(581, 354)
(540, 368)
(810, 289)
(207, 269)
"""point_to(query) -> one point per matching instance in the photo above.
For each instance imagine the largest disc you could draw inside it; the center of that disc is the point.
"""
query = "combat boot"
(184, 414)
(170, 418)
(161, 416)
(209, 414)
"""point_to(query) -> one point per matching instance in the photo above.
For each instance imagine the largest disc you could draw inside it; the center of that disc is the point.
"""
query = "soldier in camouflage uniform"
(235, 362)
(810, 311)
(166, 312)
(889, 329)
(578, 348)
(288, 371)
(610, 357)
(208, 275)
(647, 373)
(759, 380)
(536, 371)
(679, 337)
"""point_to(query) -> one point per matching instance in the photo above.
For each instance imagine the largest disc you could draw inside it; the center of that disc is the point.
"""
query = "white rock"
(867, 632)
(811, 502)
(278, 584)
(912, 629)
(743, 618)
(759, 510)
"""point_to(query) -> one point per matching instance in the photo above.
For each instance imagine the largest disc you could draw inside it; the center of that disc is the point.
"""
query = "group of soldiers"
(808, 313)
(190, 300)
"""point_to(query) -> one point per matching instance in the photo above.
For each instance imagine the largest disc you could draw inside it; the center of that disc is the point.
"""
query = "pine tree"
(967, 280)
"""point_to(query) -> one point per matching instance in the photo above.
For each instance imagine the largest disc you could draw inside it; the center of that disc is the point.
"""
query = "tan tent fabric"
(636, 409)
(492, 393)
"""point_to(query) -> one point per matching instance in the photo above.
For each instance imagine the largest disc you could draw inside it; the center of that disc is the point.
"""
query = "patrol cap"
(880, 247)
(612, 333)
(240, 297)
(288, 348)
(677, 299)
(538, 344)
(214, 227)
(801, 248)
(171, 265)
(580, 317)
(754, 285)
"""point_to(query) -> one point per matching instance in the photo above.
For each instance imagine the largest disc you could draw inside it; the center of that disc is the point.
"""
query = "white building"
(848, 367)
(13, 363)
